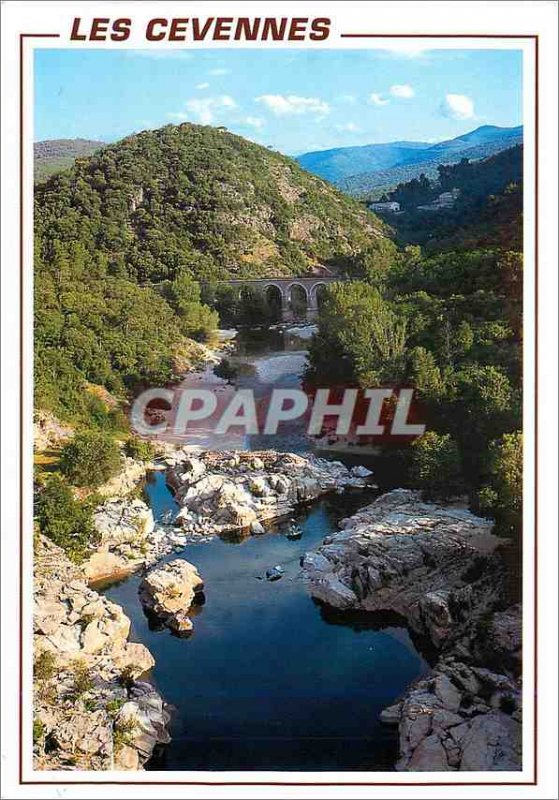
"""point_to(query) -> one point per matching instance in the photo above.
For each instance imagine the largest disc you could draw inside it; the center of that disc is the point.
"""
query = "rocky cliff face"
(91, 712)
(437, 567)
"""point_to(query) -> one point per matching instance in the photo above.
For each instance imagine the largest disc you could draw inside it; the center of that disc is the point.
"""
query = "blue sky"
(292, 100)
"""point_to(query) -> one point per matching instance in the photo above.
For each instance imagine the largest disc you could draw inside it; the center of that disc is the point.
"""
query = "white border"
(493, 17)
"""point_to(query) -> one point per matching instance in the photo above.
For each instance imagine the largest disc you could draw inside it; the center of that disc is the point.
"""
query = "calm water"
(269, 679)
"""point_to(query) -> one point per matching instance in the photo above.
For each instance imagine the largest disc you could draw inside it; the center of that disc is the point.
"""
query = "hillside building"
(391, 207)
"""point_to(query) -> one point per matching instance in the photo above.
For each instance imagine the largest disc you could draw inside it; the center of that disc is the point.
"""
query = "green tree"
(90, 459)
(66, 521)
(502, 497)
(435, 465)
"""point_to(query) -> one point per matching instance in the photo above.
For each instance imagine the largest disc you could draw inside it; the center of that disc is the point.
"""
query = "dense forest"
(448, 322)
(130, 244)
(124, 238)
(488, 211)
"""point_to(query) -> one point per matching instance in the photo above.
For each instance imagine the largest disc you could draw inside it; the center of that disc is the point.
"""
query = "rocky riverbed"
(225, 491)
(90, 709)
(439, 568)
(217, 492)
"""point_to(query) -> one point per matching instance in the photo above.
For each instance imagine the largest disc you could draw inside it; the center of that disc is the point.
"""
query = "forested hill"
(487, 213)
(124, 236)
(203, 198)
(54, 155)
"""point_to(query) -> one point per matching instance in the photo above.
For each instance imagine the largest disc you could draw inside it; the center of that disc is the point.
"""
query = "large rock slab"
(403, 555)
(437, 567)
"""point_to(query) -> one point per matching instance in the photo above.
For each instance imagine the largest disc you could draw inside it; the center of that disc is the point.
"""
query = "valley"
(306, 653)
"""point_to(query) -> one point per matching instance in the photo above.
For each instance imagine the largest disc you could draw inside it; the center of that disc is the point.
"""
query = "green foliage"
(502, 497)
(55, 155)
(360, 337)
(488, 212)
(124, 732)
(124, 240)
(449, 323)
(196, 320)
(81, 679)
(90, 459)
(436, 466)
(67, 522)
(114, 706)
(140, 449)
(39, 730)
(247, 305)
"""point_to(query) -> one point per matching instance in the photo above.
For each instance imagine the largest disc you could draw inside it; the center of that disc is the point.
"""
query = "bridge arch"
(274, 299)
(298, 298)
(316, 294)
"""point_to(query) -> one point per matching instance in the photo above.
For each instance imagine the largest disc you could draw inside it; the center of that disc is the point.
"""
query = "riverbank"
(90, 710)
(441, 569)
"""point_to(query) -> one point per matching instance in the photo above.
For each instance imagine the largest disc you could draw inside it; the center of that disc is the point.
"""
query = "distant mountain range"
(55, 155)
(371, 169)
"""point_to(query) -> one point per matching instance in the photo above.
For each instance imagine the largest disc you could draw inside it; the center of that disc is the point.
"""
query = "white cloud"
(457, 106)
(348, 127)
(202, 85)
(407, 48)
(402, 90)
(347, 98)
(377, 99)
(254, 122)
(219, 71)
(204, 110)
(293, 104)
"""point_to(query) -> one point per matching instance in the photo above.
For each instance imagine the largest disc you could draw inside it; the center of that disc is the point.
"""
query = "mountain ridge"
(391, 163)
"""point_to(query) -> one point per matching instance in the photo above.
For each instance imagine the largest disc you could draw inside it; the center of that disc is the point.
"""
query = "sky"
(292, 100)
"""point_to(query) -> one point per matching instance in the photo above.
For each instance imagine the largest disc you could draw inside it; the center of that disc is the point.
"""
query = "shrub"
(90, 459)
(436, 465)
(38, 731)
(502, 498)
(66, 521)
(82, 679)
(140, 449)
(124, 732)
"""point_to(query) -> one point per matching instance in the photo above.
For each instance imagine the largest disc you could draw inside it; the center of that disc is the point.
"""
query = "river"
(269, 679)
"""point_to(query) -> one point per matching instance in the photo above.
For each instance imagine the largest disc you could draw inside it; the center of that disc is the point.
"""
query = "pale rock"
(169, 591)
(494, 742)
(429, 756)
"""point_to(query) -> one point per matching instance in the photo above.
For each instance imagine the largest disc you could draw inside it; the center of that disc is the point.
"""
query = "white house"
(392, 206)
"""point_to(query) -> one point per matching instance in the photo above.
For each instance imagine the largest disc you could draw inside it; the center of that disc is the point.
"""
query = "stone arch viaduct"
(310, 286)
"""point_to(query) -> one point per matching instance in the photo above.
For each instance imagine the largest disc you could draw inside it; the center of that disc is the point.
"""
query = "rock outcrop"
(228, 491)
(123, 484)
(123, 527)
(85, 672)
(438, 568)
(169, 592)
(403, 555)
(48, 431)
